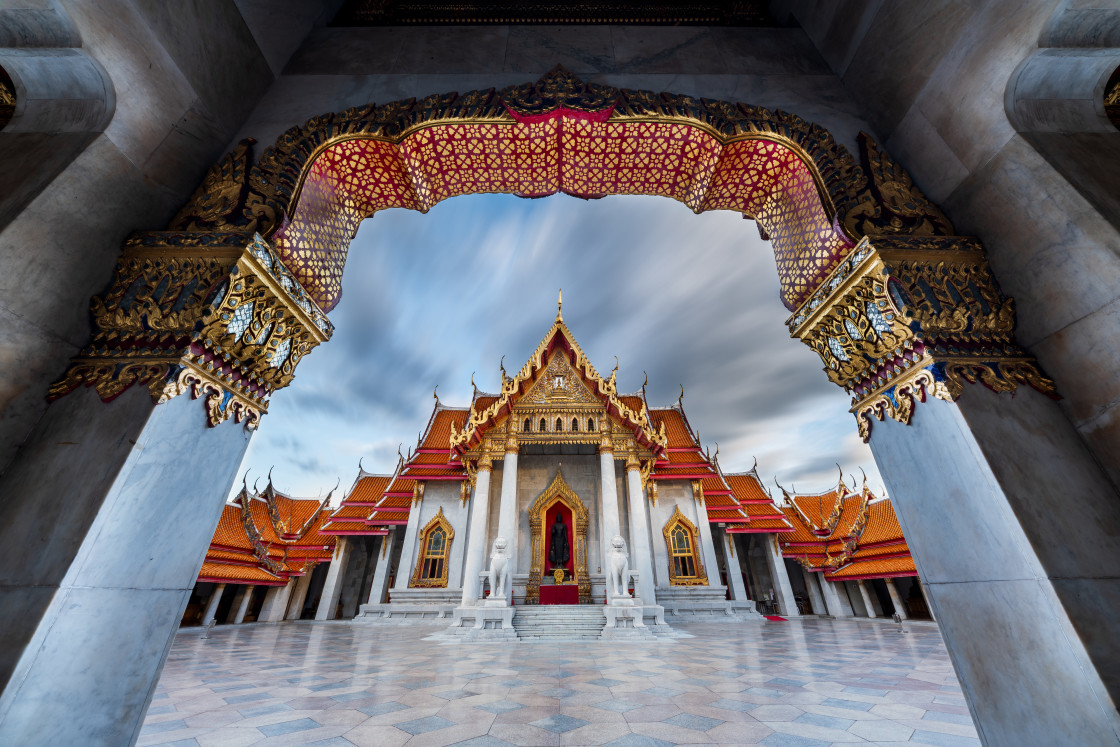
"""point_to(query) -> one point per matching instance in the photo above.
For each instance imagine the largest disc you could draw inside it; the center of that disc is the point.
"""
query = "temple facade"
(557, 490)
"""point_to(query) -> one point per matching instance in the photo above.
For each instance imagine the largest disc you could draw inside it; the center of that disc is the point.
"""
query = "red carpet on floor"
(775, 618)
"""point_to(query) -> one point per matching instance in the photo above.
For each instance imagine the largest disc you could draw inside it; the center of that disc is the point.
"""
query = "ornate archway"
(897, 306)
(558, 492)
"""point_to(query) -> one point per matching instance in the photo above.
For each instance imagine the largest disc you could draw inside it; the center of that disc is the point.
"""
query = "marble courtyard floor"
(806, 683)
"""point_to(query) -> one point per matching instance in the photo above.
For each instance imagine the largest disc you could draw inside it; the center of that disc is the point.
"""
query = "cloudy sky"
(429, 299)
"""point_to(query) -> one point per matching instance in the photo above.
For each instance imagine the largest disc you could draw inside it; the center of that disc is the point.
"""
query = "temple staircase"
(558, 622)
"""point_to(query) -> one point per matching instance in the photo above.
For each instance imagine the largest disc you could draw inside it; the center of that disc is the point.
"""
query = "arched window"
(685, 568)
(435, 544)
(544, 425)
(591, 425)
(528, 425)
(575, 425)
(559, 425)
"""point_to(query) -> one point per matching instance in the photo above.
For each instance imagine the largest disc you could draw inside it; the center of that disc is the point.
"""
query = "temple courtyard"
(794, 683)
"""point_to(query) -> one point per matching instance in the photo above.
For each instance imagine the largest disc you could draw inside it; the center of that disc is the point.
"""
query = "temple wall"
(672, 494)
(443, 495)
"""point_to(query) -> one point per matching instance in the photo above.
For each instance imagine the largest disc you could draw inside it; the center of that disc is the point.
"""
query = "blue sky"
(429, 299)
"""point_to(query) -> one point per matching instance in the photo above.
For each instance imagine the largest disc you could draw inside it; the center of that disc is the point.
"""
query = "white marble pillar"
(832, 602)
(641, 554)
(815, 598)
(477, 553)
(243, 607)
(896, 600)
(380, 584)
(299, 596)
(863, 592)
(212, 604)
(925, 596)
(507, 508)
(704, 529)
(276, 602)
(408, 544)
(238, 596)
(779, 577)
(332, 586)
(608, 519)
(734, 573)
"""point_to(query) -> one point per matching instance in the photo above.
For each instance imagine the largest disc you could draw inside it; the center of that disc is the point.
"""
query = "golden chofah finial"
(559, 305)
(435, 391)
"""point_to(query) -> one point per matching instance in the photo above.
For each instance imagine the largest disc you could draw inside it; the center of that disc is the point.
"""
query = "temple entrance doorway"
(558, 527)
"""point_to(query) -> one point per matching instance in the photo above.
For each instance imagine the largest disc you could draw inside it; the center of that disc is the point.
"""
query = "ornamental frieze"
(905, 318)
(222, 320)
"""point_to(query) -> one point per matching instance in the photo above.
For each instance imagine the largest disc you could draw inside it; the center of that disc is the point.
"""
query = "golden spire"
(559, 305)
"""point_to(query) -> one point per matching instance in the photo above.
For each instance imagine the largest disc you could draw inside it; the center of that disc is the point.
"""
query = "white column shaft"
(475, 560)
(734, 574)
(380, 583)
(896, 600)
(832, 598)
(212, 605)
(609, 520)
(863, 592)
(408, 548)
(641, 556)
(707, 544)
(925, 596)
(242, 608)
(299, 596)
(780, 578)
(277, 602)
(332, 587)
(507, 510)
(815, 599)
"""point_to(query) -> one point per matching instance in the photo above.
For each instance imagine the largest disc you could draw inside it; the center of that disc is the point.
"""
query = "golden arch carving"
(700, 576)
(439, 521)
(558, 492)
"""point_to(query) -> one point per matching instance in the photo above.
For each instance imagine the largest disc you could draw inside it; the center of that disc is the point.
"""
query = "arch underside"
(760, 176)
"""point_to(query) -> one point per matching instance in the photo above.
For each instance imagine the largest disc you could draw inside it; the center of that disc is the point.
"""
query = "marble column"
(332, 586)
(734, 574)
(896, 600)
(925, 596)
(507, 508)
(866, 598)
(1032, 528)
(276, 602)
(641, 554)
(815, 598)
(238, 596)
(704, 530)
(106, 516)
(780, 577)
(832, 602)
(608, 519)
(380, 585)
(212, 604)
(243, 607)
(408, 543)
(299, 596)
(476, 542)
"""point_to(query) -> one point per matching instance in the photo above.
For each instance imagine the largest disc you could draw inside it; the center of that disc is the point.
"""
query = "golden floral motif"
(220, 200)
(224, 322)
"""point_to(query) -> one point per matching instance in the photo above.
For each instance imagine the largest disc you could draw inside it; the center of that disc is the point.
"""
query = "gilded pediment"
(560, 386)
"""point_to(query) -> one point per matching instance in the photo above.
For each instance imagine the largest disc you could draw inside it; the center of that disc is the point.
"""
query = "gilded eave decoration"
(511, 397)
(905, 318)
(215, 315)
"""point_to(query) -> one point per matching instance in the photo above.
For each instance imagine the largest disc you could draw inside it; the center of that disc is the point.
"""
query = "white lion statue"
(499, 569)
(619, 567)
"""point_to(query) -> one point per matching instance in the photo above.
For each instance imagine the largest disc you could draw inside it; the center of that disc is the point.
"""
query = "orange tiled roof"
(439, 432)
(675, 428)
(876, 568)
(747, 488)
(238, 574)
(369, 489)
(633, 401)
(882, 526)
(230, 531)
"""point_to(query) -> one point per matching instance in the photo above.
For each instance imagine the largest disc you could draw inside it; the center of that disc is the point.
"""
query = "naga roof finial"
(680, 399)
(360, 467)
(435, 392)
(502, 365)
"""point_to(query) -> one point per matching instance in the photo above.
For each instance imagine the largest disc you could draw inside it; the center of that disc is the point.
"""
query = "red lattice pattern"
(352, 180)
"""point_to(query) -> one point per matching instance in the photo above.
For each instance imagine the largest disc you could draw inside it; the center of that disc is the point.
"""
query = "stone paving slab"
(799, 683)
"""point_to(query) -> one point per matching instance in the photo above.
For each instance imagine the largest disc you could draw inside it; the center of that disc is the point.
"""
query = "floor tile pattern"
(798, 683)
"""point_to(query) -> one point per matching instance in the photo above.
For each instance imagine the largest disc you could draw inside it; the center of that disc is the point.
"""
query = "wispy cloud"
(429, 299)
